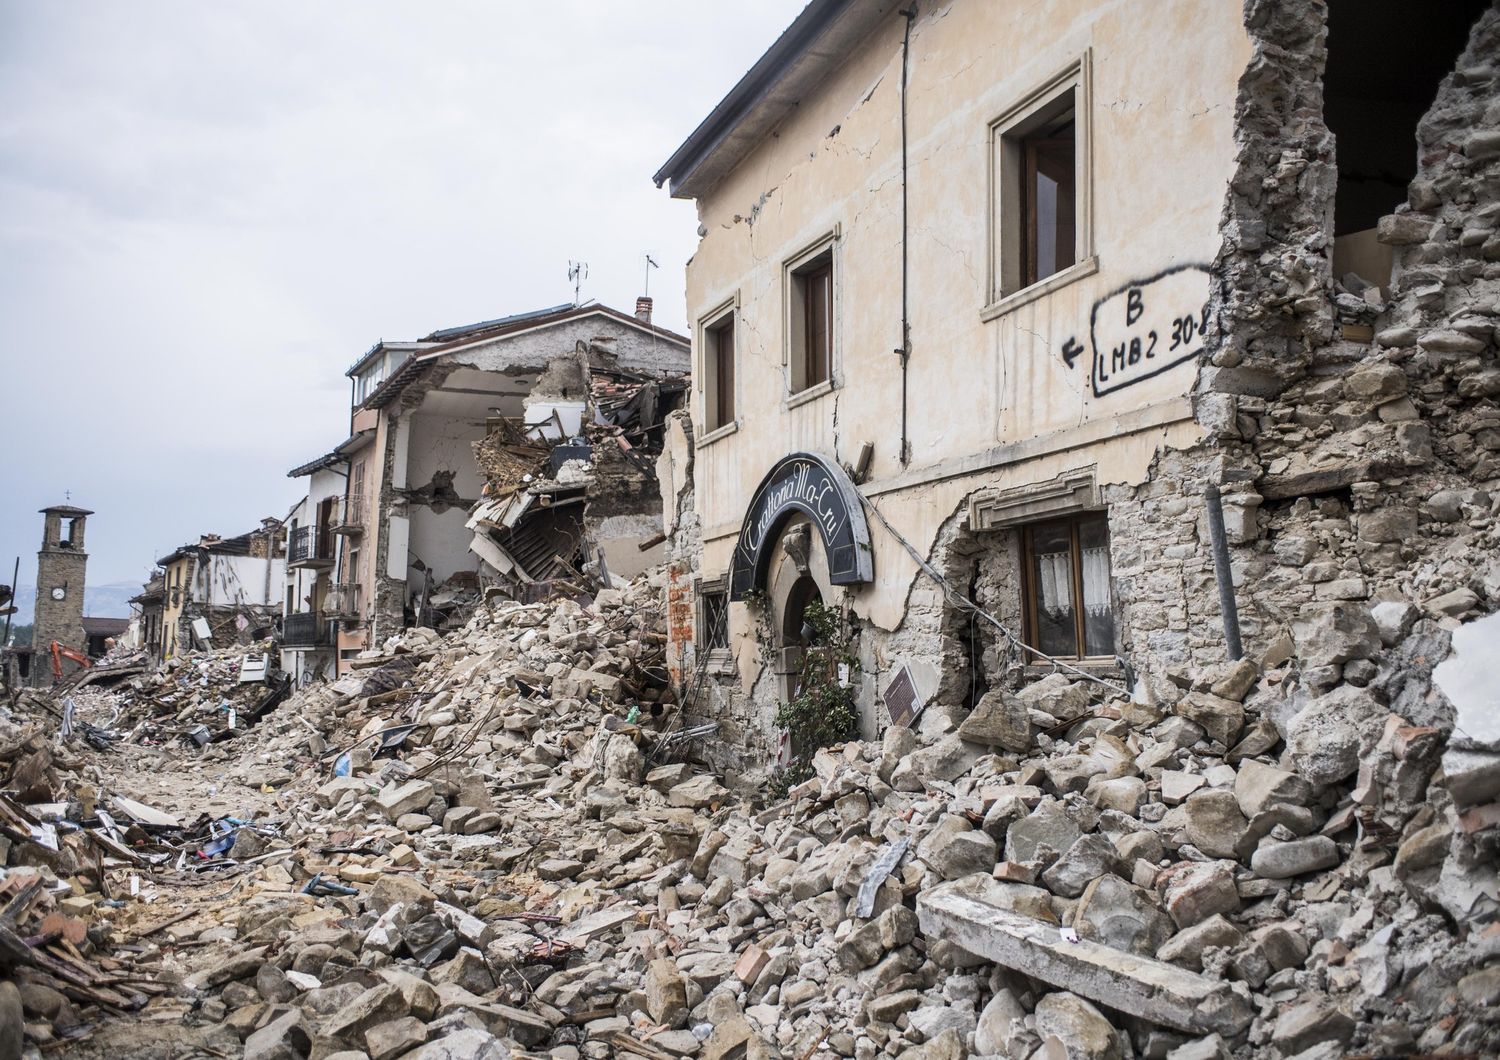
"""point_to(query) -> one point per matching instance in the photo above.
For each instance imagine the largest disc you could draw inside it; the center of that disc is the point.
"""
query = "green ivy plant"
(759, 606)
(823, 712)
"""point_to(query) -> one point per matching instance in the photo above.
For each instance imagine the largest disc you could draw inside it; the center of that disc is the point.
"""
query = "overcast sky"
(208, 211)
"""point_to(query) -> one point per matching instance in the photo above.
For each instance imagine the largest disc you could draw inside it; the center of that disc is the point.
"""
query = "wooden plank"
(179, 918)
(625, 1043)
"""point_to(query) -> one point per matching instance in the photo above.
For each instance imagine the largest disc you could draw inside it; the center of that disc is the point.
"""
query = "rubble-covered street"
(1025, 585)
(488, 845)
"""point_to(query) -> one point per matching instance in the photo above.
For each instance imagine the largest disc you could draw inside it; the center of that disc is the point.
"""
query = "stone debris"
(494, 843)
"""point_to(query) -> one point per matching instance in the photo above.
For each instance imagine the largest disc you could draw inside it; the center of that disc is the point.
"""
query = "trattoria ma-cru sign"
(819, 489)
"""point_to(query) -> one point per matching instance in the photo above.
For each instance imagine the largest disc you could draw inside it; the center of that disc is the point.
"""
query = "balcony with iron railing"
(343, 602)
(305, 629)
(349, 515)
(309, 548)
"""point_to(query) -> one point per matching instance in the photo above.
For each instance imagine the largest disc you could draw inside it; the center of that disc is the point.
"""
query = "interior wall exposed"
(1386, 59)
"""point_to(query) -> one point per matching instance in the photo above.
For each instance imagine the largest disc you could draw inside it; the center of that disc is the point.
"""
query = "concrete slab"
(968, 914)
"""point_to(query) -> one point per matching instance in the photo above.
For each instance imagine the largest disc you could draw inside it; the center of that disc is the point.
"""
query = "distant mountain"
(110, 600)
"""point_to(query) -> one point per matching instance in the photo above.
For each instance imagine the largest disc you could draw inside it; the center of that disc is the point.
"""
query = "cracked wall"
(998, 398)
(1351, 426)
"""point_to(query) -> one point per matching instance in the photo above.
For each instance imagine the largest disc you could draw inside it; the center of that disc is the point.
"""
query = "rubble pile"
(61, 967)
(487, 844)
(199, 695)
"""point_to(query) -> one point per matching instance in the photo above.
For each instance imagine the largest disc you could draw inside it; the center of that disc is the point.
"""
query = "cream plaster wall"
(986, 397)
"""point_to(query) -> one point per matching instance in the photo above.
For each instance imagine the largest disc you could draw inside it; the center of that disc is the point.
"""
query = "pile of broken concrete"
(495, 850)
(205, 693)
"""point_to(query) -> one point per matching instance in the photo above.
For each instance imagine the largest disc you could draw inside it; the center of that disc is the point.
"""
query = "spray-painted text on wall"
(1144, 328)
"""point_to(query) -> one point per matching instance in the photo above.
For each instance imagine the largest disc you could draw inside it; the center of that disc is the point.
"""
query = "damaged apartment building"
(482, 460)
(213, 592)
(998, 311)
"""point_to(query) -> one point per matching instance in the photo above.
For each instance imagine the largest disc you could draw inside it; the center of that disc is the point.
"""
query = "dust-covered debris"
(494, 843)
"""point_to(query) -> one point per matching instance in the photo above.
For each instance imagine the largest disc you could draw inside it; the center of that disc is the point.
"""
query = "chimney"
(643, 309)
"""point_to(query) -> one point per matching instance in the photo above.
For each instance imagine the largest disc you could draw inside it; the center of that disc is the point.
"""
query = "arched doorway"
(792, 643)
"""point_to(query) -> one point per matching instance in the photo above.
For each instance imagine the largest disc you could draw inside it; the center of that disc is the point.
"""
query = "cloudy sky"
(208, 211)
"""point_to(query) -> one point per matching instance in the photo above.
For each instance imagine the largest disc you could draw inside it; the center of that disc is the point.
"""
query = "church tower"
(59, 589)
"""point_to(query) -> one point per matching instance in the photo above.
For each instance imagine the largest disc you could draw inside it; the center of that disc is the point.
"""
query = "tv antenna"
(650, 264)
(578, 271)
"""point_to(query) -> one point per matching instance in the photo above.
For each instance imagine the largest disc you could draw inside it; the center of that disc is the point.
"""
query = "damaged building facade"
(989, 308)
(318, 529)
(216, 591)
(487, 457)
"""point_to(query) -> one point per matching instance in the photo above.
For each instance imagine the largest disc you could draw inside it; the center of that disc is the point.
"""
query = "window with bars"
(1068, 606)
(713, 635)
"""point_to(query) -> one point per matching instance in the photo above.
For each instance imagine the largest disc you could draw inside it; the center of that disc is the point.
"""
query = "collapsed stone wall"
(1354, 430)
(1374, 459)
(740, 744)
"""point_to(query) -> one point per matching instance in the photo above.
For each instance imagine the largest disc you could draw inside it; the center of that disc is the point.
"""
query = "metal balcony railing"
(349, 515)
(343, 601)
(304, 629)
(308, 548)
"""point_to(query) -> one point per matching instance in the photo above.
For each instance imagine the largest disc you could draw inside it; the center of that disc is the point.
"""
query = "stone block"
(1187, 946)
(1221, 718)
(376, 1005)
(1193, 891)
(666, 993)
(394, 1038)
(1278, 861)
(1069, 1026)
(999, 719)
(955, 849)
(285, 1038)
(1122, 916)
(397, 800)
(1216, 826)
(1047, 827)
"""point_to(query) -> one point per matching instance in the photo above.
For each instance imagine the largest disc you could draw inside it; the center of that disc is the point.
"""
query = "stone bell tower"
(59, 589)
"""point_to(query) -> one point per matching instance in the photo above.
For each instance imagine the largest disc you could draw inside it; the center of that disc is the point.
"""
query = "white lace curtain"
(1054, 575)
(1096, 581)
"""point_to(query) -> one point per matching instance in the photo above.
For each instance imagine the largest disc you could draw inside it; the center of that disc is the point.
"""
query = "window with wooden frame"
(1049, 199)
(1040, 236)
(1069, 611)
(812, 315)
(718, 370)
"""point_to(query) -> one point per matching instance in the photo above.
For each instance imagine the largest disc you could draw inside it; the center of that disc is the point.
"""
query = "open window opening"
(1049, 196)
(1040, 236)
(1382, 75)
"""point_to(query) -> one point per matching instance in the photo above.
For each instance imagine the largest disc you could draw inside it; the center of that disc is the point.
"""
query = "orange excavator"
(61, 651)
